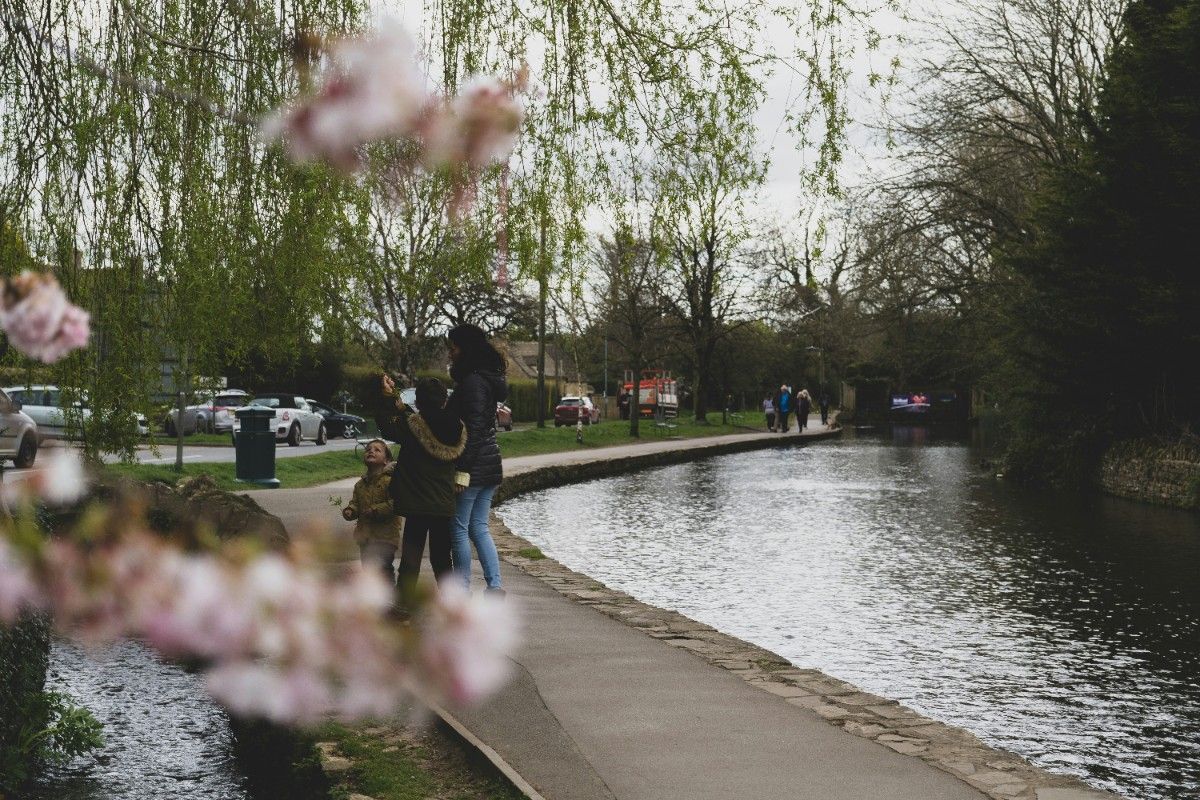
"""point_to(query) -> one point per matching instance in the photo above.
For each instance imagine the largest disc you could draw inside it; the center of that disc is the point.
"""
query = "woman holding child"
(422, 481)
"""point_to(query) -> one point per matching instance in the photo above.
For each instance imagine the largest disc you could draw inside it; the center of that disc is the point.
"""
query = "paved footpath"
(601, 708)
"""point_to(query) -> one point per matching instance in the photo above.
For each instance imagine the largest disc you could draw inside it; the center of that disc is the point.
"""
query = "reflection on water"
(1065, 629)
(163, 736)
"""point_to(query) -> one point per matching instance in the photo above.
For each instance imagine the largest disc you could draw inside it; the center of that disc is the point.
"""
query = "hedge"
(24, 659)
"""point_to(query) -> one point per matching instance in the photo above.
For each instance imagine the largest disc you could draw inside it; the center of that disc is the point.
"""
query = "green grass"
(533, 441)
(532, 553)
(293, 473)
(301, 471)
(195, 440)
(389, 765)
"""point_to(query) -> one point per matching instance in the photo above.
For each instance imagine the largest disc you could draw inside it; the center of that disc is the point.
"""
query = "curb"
(469, 739)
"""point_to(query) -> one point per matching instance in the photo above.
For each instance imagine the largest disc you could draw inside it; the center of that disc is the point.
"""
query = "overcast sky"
(784, 195)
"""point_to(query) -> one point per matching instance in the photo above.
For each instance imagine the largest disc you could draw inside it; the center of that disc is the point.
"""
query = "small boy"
(377, 531)
(422, 487)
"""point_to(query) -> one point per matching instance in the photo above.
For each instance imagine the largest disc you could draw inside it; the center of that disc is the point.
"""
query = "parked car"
(294, 419)
(572, 409)
(212, 415)
(18, 433)
(43, 404)
(338, 423)
(504, 417)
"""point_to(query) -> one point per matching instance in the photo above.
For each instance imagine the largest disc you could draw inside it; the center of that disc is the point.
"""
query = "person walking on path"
(768, 406)
(803, 409)
(479, 383)
(422, 485)
(823, 402)
(783, 406)
(377, 528)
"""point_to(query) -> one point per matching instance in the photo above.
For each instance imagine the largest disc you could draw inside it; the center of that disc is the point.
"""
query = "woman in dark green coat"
(422, 487)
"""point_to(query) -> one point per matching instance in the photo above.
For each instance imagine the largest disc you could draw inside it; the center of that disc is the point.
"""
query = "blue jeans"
(471, 527)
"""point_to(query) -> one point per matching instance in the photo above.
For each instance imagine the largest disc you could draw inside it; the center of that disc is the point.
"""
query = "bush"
(36, 726)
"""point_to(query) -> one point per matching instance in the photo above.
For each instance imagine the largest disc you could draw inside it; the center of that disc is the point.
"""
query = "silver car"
(43, 404)
(18, 433)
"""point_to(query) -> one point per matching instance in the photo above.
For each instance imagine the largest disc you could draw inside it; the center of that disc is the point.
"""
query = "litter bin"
(254, 447)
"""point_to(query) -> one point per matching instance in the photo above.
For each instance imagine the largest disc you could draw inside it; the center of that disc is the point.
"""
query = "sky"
(784, 196)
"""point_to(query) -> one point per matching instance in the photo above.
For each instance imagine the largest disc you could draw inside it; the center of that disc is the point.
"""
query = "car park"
(213, 415)
(294, 419)
(338, 423)
(18, 433)
(43, 404)
(572, 409)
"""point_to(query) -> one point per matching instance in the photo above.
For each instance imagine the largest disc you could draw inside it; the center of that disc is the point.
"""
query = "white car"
(18, 433)
(294, 419)
(213, 415)
(43, 404)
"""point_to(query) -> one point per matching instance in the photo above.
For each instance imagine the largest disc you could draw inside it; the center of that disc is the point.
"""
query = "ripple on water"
(164, 737)
(1067, 630)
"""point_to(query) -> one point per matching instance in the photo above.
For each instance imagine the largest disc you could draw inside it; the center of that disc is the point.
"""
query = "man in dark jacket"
(422, 487)
(803, 409)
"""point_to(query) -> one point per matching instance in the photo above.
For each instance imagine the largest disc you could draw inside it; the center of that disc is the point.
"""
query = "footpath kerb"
(562, 727)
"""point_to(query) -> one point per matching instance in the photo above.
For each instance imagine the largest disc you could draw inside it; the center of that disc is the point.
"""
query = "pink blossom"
(58, 480)
(39, 320)
(373, 91)
(479, 128)
(17, 588)
(465, 643)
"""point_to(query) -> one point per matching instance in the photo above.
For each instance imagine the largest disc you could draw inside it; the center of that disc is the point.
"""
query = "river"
(1062, 628)
(164, 737)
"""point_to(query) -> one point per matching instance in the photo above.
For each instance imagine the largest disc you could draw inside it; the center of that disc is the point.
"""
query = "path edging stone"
(995, 773)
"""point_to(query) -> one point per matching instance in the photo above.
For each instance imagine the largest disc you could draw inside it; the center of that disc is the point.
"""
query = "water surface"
(164, 737)
(1062, 628)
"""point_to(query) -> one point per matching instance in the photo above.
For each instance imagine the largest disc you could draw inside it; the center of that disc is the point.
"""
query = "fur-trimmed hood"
(431, 444)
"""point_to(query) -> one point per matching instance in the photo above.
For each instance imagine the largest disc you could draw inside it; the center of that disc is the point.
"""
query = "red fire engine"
(658, 394)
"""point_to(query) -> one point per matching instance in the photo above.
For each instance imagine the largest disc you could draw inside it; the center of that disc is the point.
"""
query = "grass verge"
(292, 472)
(534, 441)
(302, 471)
(411, 763)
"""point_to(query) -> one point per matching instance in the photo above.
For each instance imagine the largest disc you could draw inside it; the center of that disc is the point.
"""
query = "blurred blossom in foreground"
(38, 319)
(465, 642)
(17, 590)
(58, 480)
(281, 638)
(373, 91)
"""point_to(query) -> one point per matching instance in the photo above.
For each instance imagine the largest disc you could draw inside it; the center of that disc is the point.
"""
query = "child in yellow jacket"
(377, 531)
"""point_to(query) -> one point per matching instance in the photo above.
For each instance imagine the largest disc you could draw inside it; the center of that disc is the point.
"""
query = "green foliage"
(1103, 337)
(36, 727)
(24, 657)
(523, 399)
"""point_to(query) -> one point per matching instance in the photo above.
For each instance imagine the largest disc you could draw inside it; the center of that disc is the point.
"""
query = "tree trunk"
(635, 394)
(543, 290)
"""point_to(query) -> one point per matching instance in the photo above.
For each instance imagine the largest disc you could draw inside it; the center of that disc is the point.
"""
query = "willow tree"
(133, 163)
(613, 80)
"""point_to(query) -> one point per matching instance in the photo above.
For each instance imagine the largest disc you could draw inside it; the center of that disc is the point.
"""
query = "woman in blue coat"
(477, 369)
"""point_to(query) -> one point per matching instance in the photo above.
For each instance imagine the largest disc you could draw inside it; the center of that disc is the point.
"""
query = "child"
(378, 530)
(422, 487)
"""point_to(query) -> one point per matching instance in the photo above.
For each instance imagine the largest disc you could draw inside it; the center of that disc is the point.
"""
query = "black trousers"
(783, 420)
(771, 420)
(417, 528)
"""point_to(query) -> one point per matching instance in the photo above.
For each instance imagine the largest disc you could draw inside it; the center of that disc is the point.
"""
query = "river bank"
(661, 705)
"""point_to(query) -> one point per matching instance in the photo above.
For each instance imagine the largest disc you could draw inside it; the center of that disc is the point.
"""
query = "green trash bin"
(254, 447)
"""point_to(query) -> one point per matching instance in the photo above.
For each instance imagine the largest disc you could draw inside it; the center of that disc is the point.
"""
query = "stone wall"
(1165, 473)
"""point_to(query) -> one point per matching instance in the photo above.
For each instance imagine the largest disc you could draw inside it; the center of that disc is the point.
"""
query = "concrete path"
(600, 710)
